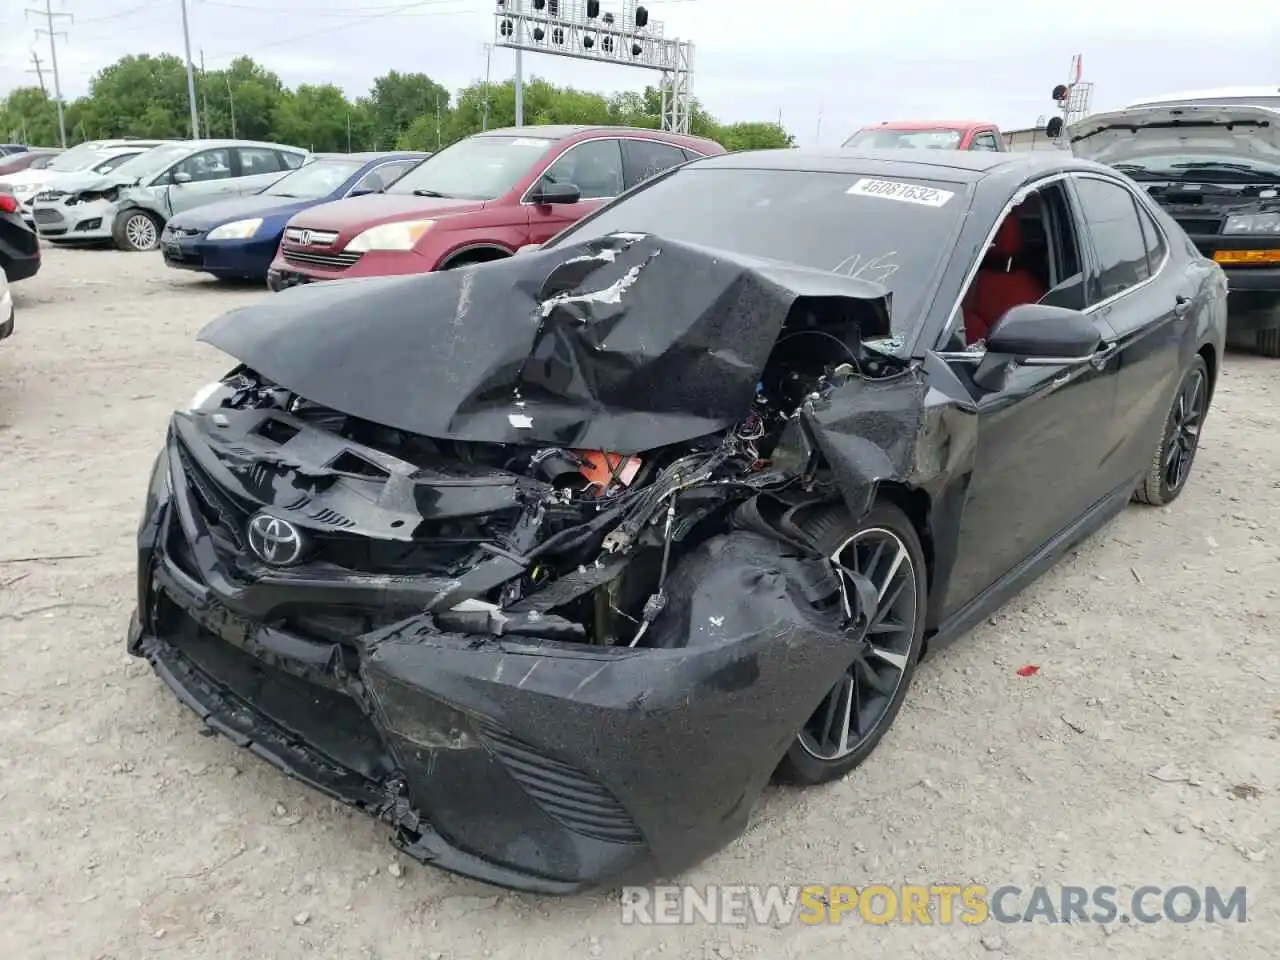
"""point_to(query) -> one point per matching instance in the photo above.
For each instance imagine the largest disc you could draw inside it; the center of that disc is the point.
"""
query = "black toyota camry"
(553, 562)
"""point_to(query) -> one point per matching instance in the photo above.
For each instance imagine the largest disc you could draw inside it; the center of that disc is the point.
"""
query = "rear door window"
(258, 160)
(643, 159)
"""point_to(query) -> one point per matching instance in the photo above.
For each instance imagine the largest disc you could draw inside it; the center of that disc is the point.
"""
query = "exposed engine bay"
(580, 541)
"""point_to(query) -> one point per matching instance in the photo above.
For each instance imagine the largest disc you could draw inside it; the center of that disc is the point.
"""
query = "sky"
(824, 67)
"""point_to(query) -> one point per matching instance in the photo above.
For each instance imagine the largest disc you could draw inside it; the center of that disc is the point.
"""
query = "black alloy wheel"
(846, 726)
(1179, 440)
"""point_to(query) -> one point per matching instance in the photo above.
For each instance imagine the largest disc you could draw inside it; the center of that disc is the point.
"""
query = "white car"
(6, 307)
(97, 156)
(131, 204)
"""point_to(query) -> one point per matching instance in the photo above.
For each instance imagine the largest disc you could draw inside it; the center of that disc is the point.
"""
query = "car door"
(642, 159)
(1040, 439)
(595, 167)
(1147, 298)
(201, 178)
(257, 169)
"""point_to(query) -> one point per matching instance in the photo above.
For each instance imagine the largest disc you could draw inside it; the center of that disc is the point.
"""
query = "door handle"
(1103, 354)
(1181, 304)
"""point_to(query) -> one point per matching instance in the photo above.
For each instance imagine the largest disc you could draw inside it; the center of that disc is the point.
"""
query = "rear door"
(595, 167)
(1147, 296)
(257, 169)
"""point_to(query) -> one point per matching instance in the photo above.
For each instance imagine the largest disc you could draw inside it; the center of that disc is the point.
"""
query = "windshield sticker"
(902, 192)
(529, 142)
(876, 269)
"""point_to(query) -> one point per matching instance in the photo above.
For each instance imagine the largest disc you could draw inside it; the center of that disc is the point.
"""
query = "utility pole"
(52, 34)
(191, 79)
(437, 120)
(348, 131)
(231, 100)
(488, 63)
(204, 94)
(38, 71)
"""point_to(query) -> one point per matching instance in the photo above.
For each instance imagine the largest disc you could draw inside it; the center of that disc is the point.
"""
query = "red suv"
(480, 199)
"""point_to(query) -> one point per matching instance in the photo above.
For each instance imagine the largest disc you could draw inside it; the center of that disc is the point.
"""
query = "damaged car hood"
(623, 343)
(1143, 131)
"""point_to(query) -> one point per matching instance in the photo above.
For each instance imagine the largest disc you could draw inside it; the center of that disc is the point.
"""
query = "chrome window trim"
(524, 198)
(1014, 201)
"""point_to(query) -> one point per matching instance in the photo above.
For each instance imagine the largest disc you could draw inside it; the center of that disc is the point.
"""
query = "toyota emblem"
(274, 541)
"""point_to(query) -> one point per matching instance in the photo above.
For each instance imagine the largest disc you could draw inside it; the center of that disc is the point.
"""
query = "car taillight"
(8, 203)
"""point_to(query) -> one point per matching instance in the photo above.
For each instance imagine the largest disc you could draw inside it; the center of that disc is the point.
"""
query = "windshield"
(1203, 167)
(150, 162)
(81, 157)
(880, 139)
(106, 166)
(478, 168)
(319, 178)
(891, 232)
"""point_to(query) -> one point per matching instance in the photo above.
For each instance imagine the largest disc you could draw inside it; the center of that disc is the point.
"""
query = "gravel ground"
(128, 833)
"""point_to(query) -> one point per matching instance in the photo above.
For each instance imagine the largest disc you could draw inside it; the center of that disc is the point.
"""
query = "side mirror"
(1036, 335)
(1053, 129)
(547, 192)
(362, 192)
(528, 248)
(181, 176)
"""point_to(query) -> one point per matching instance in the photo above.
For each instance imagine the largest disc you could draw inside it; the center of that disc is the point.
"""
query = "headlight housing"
(402, 235)
(236, 230)
(202, 396)
(24, 189)
(1253, 223)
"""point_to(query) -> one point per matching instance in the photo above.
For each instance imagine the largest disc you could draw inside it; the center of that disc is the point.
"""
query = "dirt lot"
(126, 832)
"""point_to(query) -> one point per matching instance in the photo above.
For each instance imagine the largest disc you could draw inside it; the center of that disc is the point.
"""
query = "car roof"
(563, 131)
(213, 144)
(368, 155)
(928, 125)
(960, 166)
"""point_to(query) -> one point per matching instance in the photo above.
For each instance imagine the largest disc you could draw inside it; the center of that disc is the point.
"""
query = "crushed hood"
(623, 343)
(1146, 131)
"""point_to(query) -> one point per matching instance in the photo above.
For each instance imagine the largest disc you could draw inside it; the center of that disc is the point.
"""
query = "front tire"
(846, 726)
(136, 230)
(1179, 439)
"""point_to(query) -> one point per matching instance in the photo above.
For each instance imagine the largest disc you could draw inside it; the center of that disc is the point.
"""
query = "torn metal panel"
(618, 344)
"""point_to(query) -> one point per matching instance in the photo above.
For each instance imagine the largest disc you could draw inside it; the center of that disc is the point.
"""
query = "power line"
(121, 14)
(53, 34)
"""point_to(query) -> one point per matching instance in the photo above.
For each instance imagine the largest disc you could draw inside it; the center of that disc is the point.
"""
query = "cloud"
(845, 62)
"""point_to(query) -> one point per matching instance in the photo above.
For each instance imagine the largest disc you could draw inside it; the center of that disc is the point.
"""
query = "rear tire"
(885, 547)
(1268, 342)
(136, 230)
(1179, 439)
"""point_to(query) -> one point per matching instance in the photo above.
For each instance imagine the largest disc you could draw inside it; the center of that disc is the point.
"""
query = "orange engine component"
(602, 469)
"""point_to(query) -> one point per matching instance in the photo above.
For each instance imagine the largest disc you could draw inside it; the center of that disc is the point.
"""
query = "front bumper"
(295, 266)
(57, 220)
(231, 258)
(522, 762)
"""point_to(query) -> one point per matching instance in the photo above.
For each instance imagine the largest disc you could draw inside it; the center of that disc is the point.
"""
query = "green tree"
(315, 116)
(141, 96)
(753, 136)
(29, 115)
(399, 100)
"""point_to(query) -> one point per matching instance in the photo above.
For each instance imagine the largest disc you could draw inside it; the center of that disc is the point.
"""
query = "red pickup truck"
(930, 134)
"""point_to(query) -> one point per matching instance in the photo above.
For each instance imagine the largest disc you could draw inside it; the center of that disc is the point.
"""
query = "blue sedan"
(237, 239)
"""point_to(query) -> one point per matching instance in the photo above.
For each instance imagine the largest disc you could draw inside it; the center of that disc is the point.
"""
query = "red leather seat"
(999, 285)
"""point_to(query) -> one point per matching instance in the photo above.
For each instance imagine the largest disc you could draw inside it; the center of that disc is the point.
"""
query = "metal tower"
(581, 30)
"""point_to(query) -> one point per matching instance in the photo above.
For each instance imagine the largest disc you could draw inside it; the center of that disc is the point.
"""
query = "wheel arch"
(475, 253)
(916, 504)
(1210, 357)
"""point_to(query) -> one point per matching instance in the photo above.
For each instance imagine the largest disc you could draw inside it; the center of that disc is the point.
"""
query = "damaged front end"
(552, 656)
